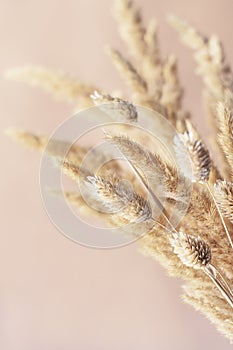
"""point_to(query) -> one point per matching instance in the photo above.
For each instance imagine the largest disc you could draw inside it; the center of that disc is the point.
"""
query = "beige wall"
(55, 294)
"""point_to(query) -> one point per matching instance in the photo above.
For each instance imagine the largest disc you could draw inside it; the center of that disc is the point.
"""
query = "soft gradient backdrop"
(54, 294)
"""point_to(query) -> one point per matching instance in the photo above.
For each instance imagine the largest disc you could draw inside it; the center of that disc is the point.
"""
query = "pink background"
(55, 294)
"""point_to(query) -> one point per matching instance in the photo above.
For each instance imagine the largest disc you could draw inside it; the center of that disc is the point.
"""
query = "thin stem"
(163, 226)
(220, 214)
(154, 197)
(228, 296)
(216, 273)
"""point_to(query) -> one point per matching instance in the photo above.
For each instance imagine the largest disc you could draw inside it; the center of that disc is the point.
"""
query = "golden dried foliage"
(57, 83)
(131, 27)
(32, 141)
(198, 152)
(217, 78)
(198, 249)
(223, 191)
(54, 147)
(192, 250)
(171, 97)
(117, 108)
(129, 73)
(225, 130)
(121, 200)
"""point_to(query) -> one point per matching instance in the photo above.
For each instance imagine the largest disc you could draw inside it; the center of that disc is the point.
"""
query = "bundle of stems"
(199, 248)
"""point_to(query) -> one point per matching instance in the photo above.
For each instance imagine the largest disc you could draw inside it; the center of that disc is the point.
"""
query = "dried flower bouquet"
(199, 249)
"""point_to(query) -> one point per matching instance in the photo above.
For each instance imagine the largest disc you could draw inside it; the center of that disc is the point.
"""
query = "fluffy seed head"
(120, 199)
(193, 251)
(115, 107)
(223, 192)
(199, 155)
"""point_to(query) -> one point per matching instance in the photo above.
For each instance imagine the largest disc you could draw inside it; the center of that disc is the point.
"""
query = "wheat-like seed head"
(171, 92)
(136, 153)
(198, 152)
(131, 26)
(118, 109)
(29, 139)
(57, 83)
(72, 170)
(129, 72)
(120, 199)
(223, 192)
(193, 251)
(224, 113)
(162, 177)
(188, 34)
(68, 168)
(151, 165)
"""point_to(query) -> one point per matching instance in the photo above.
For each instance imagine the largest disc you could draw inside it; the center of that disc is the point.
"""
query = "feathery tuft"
(134, 80)
(193, 251)
(223, 192)
(120, 199)
(199, 154)
(116, 108)
(188, 34)
(57, 83)
(131, 27)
